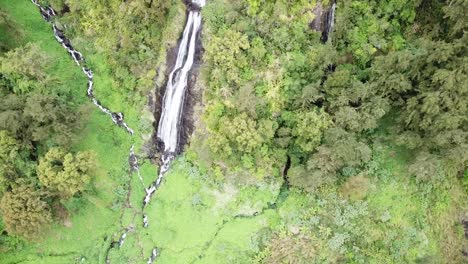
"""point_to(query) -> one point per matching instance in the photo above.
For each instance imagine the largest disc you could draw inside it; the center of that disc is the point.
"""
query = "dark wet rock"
(58, 32)
(154, 255)
(465, 227)
(155, 145)
(193, 96)
(317, 23)
(67, 44)
(329, 23)
(45, 14)
(145, 221)
(192, 6)
(51, 11)
(65, 9)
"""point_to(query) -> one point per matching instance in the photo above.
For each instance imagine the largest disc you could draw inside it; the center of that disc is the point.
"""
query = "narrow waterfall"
(329, 23)
(172, 109)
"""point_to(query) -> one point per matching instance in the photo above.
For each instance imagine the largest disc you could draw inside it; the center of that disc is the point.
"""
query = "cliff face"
(317, 23)
(324, 20)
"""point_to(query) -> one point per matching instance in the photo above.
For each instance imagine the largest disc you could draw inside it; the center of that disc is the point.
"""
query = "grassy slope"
(95, 219)
(190, 221)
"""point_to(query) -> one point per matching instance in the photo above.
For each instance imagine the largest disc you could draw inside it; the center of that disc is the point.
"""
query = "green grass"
(189, 221)
(95, 219)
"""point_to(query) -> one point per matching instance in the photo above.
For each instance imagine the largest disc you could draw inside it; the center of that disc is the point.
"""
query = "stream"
(329, 23)
(48, 14)
(168, 132)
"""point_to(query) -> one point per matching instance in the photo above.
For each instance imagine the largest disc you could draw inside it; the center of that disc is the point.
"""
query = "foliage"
(309, 129)
(368, 27)
(28, 110)
(275, 97)
(290, 249)
(14, 163)
(25, 210)
(356, 187)
(76, 235)
(24, 68)
(66, 173)
(429, 84)
(127, 35)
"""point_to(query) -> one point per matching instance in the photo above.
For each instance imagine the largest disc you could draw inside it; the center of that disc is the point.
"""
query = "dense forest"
(309, 146)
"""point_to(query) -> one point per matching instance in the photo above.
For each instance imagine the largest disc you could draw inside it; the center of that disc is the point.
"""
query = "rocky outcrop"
(324, 20)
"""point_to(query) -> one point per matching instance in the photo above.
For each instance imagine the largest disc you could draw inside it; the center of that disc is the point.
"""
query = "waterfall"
(172, 109)
(169, 124)
(329, 23)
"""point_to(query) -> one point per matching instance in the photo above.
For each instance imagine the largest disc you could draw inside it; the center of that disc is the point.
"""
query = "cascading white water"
(329, 23)
(173, 102)
(172, 108)
(168, 129)
(48, 13)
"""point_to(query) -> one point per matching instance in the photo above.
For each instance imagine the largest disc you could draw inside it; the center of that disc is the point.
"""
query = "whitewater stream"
(48, 14)
(168, 132)
(172, 109)
(329, 23)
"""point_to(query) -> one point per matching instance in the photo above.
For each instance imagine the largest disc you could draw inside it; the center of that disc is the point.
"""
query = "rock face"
(317, 23)
(172, 110)
(324, 20)
(170, 124)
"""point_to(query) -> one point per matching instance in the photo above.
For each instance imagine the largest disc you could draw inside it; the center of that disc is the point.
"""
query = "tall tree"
(25, 210)
(66, 173)
(24, 67)
(14, 161)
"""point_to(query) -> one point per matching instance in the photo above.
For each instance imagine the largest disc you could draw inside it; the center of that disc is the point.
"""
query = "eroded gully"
(168, 132)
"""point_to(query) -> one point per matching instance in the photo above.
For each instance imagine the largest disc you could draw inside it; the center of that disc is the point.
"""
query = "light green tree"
(9, 149)
(310, 128)
(25, 68)
(66, 173)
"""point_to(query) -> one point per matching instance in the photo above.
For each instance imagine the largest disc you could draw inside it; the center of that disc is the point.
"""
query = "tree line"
(37, 128)
(275, 91)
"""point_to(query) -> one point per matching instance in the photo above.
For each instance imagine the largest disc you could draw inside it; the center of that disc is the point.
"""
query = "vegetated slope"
(356, 116)
(366, 183)
(273, 90)
(83, 225)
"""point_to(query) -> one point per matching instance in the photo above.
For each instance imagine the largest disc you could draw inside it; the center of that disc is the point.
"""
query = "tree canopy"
(25, 210)
(66, 173)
